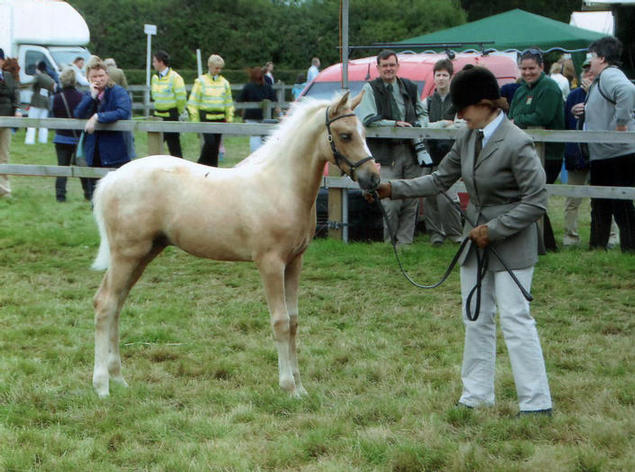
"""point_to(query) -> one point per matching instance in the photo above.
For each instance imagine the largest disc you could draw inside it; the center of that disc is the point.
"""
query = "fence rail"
(338, 213)
(237, 129)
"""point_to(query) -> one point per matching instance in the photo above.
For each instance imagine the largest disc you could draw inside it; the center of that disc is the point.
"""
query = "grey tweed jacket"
(506, 184)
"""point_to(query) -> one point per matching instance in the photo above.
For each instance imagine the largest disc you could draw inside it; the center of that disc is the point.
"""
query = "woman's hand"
(577, 110)
(383, 190)
(480, 236)
(90, 124)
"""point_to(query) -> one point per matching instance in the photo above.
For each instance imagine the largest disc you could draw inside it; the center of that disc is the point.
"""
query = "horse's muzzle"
(367, 180)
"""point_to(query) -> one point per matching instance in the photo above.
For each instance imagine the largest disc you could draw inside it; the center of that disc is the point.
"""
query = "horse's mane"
(298, 116)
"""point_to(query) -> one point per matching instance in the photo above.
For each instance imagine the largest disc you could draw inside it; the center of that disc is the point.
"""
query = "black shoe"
(60, 198)
(463, 405)
(545, 412)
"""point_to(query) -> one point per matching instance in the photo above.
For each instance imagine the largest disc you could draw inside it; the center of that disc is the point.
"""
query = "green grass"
(380, 358)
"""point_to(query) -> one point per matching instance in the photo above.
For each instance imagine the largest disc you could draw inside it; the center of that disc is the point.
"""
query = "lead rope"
(481, 264)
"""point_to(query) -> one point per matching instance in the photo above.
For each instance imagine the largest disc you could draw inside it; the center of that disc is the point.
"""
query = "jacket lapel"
(493, 143)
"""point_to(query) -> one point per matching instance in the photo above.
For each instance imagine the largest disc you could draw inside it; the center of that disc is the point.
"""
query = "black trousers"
(173, 140)
(614, 172)
(211, 145)
(65, 154)
(552, 170)
(92, 183)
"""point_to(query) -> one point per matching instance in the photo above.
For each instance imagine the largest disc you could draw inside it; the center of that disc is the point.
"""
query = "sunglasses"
(531, 52)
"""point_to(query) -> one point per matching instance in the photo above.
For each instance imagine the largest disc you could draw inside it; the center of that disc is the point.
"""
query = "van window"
(32, 58)
(325, 90)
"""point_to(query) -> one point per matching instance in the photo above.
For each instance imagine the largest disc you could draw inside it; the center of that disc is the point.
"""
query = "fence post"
(155, 139)
(266, 109)
(334, 219)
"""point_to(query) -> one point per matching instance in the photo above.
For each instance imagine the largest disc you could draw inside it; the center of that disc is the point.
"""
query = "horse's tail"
(102, 261)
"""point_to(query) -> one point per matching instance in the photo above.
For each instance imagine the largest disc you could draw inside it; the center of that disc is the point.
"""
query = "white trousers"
(35, 112)
(519, 332)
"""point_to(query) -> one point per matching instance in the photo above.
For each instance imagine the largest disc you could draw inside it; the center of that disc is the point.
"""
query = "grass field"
(380, 358)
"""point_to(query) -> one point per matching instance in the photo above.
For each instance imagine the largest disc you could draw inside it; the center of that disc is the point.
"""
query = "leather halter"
(339, 157)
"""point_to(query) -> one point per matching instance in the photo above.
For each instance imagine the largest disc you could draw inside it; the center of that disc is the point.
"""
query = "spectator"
(568, 70)
(43, 88)
(256, 90)
(507, 190)
(441, 217)
(314, 70)
(576, 160)
(609, 107)
(268, 71)
(168, 93)
(64, 103)
(555, 72)
(390, 100)
(78, 66)
(117, 75)
(538, 103)
(9, 106)
(298, 87)
(211, 101)
(106, 102)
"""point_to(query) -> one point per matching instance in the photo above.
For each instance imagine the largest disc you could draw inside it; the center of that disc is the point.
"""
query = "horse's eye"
(345, 137)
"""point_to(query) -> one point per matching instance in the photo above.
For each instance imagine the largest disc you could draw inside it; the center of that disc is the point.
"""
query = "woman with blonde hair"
(211, 101)
(106, 102)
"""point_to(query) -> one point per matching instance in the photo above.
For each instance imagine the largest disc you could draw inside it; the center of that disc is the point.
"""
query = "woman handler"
(506, 183)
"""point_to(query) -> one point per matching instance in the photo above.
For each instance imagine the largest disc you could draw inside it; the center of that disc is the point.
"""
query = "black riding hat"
(472, 85)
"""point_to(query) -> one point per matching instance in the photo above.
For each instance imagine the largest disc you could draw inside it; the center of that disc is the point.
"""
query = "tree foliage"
(251, 32)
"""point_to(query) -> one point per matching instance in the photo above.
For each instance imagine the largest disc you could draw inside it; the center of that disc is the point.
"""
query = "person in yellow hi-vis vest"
(168, 93)
(211, 101)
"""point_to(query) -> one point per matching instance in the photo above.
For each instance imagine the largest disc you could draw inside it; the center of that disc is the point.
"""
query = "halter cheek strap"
(339, 157)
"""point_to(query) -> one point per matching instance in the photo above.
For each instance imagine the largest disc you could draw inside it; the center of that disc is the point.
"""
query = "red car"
(416, 67)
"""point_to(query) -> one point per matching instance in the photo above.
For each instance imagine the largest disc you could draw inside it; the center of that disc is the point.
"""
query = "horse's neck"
(301, 164)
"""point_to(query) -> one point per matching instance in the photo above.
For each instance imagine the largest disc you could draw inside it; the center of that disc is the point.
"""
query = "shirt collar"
(492, 126)
(164, 72)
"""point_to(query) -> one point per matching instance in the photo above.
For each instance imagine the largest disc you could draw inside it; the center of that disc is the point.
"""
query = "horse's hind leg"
(291, 284)
(115, 287)
(272, 271)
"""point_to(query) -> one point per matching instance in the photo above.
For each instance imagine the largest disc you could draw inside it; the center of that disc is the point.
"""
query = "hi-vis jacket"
(168, 92)
(212, 96)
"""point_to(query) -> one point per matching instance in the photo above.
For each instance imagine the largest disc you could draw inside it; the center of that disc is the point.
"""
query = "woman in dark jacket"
(64, 103)
(256, 90)
(105, 103)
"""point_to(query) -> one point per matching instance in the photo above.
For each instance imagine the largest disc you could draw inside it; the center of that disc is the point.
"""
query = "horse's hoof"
(287, 384)
(100, 385)
(299, 392)
(102, 393)
(119, 380)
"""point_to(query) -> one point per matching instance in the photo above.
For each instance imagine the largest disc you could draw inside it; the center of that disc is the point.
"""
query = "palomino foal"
(262, 210)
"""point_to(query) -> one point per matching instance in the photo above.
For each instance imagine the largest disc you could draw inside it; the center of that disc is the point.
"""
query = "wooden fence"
(337, 185)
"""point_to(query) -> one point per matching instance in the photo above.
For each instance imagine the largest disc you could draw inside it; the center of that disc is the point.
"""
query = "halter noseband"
(339, 157)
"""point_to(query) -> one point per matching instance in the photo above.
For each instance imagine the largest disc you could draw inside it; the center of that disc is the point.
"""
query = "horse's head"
(346, 138)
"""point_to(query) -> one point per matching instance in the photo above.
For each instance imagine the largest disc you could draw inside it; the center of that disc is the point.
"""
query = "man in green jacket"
(538, 103)
(9, 106)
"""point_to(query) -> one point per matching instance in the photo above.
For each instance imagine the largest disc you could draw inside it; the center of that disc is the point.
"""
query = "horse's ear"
(341, 103)
(357, 99)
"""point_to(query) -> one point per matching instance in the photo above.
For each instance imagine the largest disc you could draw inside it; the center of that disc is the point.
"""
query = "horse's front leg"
(272, 271)
(291, 284)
